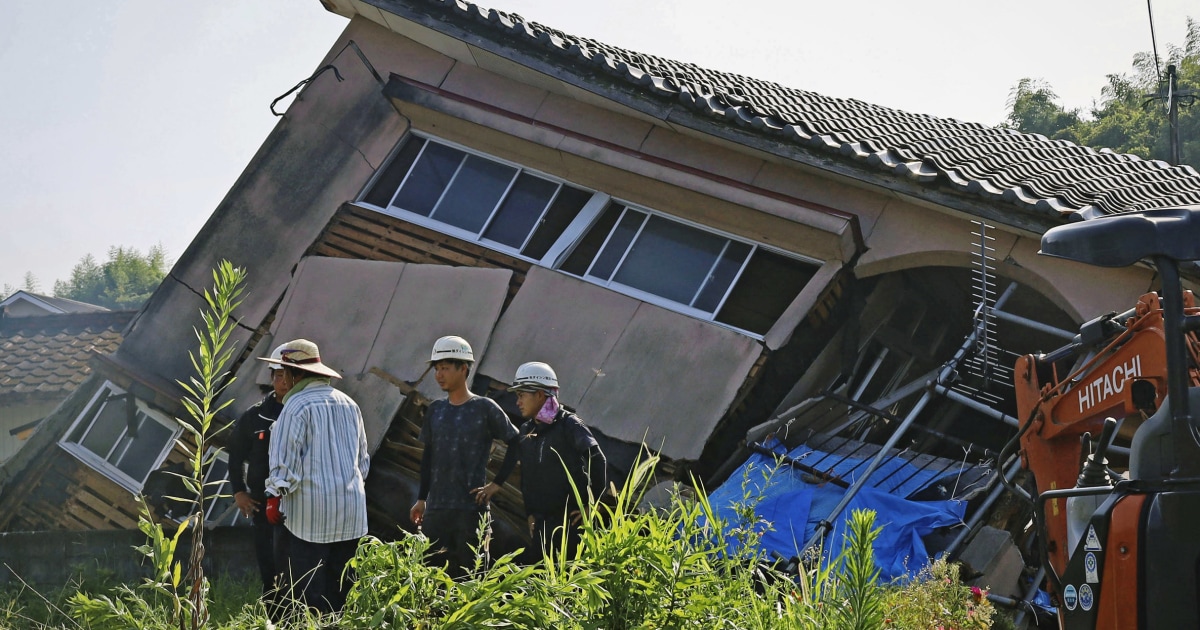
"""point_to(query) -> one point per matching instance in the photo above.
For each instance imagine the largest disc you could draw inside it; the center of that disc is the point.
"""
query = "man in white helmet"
(249, 444)
(315, 488)
(457, 433)
(555, 449)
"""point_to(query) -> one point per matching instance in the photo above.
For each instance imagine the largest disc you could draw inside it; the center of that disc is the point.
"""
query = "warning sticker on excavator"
(1093, 541)
(1070, 598)
(1090, 566)
(1086, 599)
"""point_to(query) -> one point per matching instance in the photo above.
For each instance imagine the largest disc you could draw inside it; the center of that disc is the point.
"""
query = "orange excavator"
(1121, 550)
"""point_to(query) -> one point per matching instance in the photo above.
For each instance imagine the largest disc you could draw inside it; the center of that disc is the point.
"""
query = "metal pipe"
(997, 489)
(1029, 593)
(827, 522)
(1035, 325)
(973, 405)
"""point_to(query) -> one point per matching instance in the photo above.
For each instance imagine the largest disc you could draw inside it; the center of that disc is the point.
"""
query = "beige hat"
(301, 354)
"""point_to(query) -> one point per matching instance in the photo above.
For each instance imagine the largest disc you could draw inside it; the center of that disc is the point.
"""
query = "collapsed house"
(714, 265)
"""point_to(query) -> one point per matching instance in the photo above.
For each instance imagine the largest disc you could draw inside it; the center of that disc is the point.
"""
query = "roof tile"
(1028, 170)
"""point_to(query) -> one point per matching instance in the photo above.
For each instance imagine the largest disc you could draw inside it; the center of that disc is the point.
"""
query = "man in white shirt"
(318, 463)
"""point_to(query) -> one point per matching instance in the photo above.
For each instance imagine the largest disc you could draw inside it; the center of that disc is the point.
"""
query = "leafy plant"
(185, 595)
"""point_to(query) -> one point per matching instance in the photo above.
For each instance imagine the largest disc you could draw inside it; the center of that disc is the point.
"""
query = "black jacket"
(544, 449)
(249, 445)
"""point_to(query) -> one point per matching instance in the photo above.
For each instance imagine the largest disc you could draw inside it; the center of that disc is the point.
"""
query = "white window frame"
(457, 232)
(99, 463)
(573, 234)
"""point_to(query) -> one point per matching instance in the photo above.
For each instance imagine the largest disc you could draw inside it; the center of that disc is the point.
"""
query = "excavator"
(1121, 548)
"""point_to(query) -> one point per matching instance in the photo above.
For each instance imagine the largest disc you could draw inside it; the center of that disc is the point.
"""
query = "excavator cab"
(1132, 549)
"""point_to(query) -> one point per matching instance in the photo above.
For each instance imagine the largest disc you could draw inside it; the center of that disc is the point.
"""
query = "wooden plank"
(98, 505)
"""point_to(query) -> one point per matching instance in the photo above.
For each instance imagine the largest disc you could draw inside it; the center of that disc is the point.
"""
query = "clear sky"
(124, 122)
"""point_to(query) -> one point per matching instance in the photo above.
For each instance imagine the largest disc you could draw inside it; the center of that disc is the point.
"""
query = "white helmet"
(534, 375)
(451, 349)
(273, 362)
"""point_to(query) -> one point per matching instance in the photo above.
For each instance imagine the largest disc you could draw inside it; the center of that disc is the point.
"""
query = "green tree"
(124, 281)
(30, 285)
(1130, 116)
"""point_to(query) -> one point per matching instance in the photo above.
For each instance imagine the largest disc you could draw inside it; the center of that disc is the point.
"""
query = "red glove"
(274, 517)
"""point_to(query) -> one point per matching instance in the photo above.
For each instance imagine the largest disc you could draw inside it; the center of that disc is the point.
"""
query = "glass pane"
(622, 235)
(429, 178)
(389, 180)
(474, 193)
(581, 257)
(722, 276)
(766, 288)
(670, 260)
(107, 427)
(564, 210)
(143, 452)
(521, 210)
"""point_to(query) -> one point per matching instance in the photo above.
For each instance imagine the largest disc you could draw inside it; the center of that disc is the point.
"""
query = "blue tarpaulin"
(788, 508)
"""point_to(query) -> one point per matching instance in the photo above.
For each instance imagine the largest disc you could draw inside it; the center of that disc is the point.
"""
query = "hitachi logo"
(1114, 382)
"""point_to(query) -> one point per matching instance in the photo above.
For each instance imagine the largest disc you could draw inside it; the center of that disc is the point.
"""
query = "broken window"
(636, 251)
(709, 275)
(121, 437)
(477, 198)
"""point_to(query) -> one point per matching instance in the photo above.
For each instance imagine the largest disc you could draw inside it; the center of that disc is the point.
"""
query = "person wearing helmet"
(249, 441)
(555, 449)
(457, 433)
(315, 488)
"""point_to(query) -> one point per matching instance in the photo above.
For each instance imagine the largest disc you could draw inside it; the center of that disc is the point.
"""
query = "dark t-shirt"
(459, 438)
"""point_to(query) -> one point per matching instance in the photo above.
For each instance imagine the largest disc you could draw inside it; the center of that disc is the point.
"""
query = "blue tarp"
(793, 507)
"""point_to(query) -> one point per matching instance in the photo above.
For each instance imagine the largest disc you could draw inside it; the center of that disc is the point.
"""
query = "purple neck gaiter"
(548, 411)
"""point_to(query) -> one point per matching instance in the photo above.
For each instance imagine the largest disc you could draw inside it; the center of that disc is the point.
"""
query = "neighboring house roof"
(1052, 178)
(51, 305)
(46, 356)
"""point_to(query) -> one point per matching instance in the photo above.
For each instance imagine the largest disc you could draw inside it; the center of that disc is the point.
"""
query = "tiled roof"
(47, 356)
(998, 164)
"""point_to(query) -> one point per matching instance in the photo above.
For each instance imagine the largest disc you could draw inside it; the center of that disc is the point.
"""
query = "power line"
(1154, 41)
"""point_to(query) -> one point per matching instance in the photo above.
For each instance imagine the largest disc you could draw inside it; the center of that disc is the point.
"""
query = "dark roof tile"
(1028, 170)
(48, 355)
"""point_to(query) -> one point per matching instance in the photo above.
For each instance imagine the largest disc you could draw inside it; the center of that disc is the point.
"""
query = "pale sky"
(125, 122)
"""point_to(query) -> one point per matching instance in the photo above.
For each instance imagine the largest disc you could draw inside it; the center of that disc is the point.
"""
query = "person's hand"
(246, 505)
(417, 513)
(274, 516)
(483, 496)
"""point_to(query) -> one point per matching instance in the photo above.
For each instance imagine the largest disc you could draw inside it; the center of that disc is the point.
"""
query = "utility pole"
(1174, 100)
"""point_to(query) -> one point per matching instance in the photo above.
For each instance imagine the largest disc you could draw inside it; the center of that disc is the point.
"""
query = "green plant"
(937, 599)
(185, 596)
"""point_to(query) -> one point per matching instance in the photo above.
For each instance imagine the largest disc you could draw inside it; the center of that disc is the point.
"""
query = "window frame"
(457, 232)
(572, 236)
(101, 464)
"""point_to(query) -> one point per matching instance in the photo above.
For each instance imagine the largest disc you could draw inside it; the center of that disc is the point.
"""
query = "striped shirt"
(318, 461)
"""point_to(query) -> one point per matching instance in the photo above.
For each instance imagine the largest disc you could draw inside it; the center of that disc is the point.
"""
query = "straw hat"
(302, 354)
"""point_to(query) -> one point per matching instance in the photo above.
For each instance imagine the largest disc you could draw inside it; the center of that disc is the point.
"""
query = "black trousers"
(315, 573)
(547, 536)
(264, 550)
(452, 534)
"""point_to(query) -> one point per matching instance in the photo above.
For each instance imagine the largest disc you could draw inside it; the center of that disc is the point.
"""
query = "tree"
(1130, 115)
(124, 281)
(30, 285)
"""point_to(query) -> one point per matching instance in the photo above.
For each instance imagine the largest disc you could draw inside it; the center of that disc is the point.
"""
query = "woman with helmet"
(555, 449)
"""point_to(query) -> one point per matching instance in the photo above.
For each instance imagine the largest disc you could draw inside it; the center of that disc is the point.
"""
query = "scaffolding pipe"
(946, 371)
(993, 495)
(1036, 325)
